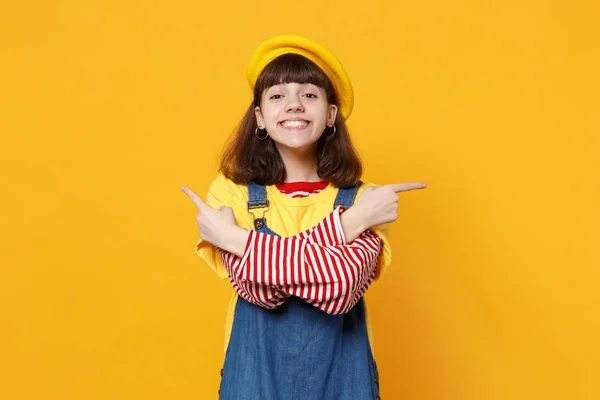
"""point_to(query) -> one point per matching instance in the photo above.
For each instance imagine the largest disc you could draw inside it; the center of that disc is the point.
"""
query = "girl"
(297, 234)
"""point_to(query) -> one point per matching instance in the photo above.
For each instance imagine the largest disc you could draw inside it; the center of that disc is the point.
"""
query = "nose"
(294, 104)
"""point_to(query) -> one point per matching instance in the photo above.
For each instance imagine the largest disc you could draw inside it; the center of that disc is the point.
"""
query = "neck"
(300, 164)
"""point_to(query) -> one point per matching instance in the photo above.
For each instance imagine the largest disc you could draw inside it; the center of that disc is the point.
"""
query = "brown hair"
(246, 158)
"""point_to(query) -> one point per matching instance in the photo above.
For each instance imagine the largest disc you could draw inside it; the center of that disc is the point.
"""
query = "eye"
(275, 97)
(311, 95)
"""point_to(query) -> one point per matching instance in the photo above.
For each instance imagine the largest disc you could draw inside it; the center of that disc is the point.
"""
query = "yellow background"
(107, 107)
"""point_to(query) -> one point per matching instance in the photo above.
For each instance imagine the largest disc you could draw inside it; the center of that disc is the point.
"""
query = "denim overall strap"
(346, 196)
(257, 196)
(257, 200)
(297, 351)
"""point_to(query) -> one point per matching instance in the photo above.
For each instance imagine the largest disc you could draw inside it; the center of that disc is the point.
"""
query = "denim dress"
(297, 351)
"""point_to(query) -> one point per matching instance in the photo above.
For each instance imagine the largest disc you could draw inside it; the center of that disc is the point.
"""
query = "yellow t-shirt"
(287, 217)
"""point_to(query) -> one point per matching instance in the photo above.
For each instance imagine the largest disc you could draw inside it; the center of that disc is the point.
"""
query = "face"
(295, 115)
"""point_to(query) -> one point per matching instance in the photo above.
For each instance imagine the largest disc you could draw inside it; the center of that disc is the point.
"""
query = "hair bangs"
(293, 68)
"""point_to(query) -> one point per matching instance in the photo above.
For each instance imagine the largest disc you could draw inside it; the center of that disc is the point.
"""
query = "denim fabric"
(298, 352)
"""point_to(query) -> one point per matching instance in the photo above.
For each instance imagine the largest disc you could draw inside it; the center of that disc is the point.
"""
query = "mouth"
(294, 124)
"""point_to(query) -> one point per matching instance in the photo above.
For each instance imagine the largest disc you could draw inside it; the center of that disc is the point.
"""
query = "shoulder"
(224, 190)
(223, 184)
(362, 186)
(365, 185)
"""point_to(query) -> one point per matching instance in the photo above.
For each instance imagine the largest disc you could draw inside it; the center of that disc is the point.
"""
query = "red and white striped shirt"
(316, 265)
(301, 189)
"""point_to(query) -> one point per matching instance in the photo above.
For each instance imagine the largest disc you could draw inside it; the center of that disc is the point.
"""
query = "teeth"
(294, 124)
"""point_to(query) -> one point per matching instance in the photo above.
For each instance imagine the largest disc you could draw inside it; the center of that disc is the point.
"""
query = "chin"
(297, 145)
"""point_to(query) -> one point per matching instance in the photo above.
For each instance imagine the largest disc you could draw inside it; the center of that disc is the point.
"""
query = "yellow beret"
(284, 44)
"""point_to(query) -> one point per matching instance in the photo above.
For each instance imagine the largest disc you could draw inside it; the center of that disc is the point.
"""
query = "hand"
(379, 204)
(218, 227)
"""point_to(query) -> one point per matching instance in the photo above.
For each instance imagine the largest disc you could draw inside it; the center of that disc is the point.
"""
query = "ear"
(331, 114)
(259, 118)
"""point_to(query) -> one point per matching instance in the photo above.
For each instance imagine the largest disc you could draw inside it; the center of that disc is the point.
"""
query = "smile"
(295, 124)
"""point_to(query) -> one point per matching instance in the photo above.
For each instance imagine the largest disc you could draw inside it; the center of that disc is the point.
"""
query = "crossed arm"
(316, 265)
(331, 265)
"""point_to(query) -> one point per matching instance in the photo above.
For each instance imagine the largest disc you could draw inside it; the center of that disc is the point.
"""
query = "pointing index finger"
(407, 186)
(200, 204)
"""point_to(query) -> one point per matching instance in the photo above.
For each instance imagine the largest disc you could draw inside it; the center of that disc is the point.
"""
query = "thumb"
(226, 209)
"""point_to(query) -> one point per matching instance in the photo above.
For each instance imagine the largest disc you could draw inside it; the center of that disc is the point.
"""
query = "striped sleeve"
(316, 265)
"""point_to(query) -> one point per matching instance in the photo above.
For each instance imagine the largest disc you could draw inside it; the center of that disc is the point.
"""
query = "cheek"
(269, 114)
(269, 118)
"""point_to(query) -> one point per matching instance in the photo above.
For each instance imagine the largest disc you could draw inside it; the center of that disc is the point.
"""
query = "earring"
(331, 134)
(261, 137)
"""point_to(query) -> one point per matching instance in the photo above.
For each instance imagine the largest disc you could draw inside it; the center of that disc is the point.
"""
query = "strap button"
(259, 223)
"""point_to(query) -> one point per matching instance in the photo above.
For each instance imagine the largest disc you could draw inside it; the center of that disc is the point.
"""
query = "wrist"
(234, 241)
(353, 223)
